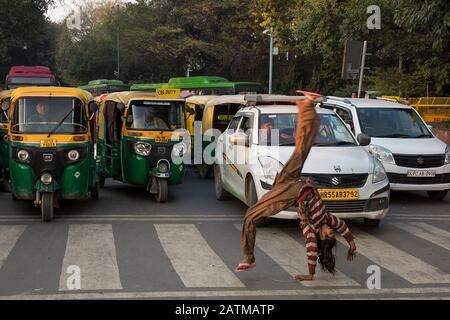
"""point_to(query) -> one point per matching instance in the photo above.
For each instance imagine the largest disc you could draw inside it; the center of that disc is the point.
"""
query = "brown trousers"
(287, 185)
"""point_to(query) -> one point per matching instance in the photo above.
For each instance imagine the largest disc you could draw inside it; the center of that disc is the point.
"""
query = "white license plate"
(421, 174)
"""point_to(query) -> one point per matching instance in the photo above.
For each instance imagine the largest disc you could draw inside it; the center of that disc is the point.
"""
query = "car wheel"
(252, 199)
(374, 223)
(221, 193)
(437, 195)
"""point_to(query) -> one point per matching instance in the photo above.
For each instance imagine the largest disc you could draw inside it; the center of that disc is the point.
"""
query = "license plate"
(161, 140)
(48, 143)
(339, 195)
(421, 174)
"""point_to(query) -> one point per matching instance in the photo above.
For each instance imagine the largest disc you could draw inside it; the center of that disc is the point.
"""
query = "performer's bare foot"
(301, 278)
(244, 266)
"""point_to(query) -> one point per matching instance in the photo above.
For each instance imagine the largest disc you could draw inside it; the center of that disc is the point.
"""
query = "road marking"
(92, 248)
(8, 238)
(397, 261)
(291, 256)
(193, 259)
(303, 293)
(426, 231)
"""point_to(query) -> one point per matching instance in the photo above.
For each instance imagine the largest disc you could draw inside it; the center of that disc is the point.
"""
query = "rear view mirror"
(364, 140)
(239, 139)
(93, 107)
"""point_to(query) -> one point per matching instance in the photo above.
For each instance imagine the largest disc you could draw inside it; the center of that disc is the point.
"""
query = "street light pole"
(363, 66)
(271, 61)
(118, 43)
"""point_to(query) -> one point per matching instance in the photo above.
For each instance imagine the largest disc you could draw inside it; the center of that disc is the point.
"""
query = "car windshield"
(392, 123)
(155, 115)
(279, 130)
(42, 115)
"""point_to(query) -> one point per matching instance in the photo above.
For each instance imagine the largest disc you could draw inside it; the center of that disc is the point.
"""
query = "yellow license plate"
(48, 143)
(339, 195)
(162, 139)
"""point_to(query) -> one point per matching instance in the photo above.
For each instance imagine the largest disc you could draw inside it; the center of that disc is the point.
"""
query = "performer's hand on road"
(301, 278)
(352, 251)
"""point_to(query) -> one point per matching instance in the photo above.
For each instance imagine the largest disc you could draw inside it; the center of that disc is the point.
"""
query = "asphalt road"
(127, 246)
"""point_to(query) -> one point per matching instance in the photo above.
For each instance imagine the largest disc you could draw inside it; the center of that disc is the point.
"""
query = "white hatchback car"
(412, 156)
(352, 182)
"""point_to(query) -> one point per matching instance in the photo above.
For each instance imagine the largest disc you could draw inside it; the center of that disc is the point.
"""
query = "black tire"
(13, 197)
(95, 191)
(47, 208)
(437, 195)
(163, 191)
(221, 193)
(204, 171)
(373, 223)
(102, 180)
(252, 199)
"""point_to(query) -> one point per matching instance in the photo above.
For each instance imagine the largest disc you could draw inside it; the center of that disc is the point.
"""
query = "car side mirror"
(364, 140)
(239, 139)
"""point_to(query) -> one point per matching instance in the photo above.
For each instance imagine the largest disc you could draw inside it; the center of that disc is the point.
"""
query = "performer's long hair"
(326, 257)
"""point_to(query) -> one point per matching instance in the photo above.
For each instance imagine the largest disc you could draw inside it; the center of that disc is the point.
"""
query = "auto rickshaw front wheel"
(95, 191)
(47, 207)
(162, 193)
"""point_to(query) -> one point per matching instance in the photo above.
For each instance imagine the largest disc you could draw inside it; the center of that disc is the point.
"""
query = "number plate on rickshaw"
(48, 143)
(339, 195)
(162, 140)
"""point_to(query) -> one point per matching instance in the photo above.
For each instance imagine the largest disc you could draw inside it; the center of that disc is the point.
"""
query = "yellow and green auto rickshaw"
(142, 140)
(195, 106)
(5, 98)
(51, 146)
(217, 115)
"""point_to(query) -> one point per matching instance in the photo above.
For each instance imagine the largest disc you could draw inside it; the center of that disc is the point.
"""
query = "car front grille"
(419, 161)
(338, 181)
(345, 206)
(404, 179)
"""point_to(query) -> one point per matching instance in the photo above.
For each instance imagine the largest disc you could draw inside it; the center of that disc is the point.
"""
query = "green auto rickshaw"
(142, 140)
(51, 146)
(5, 98)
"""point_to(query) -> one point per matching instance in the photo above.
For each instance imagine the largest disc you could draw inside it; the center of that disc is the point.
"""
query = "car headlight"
(46, 179)
(270, 167)
(179, 150)
(23, 155)
(382, 154)
(447, 156)
(379, 173)
(143, 148)
(73, 155)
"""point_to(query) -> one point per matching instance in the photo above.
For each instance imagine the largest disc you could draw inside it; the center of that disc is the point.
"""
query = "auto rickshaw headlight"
(163, 166)
(46, 178)
(73, 155)
(143, 148)
(179, 150)
(23, 155)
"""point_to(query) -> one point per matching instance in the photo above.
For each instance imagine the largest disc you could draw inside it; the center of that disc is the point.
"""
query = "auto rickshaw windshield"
(41, 115)
(157, 116)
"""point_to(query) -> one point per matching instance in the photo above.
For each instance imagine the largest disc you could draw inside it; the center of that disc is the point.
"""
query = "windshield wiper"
(395, 135)
(59, 124)
(422, 136)
(340, 143)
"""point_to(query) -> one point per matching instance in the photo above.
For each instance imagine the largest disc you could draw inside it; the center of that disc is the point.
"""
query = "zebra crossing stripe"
(195, 262)
(397, 261)
(426, 231)
(91, 248)
(8, 238)
(291, 256)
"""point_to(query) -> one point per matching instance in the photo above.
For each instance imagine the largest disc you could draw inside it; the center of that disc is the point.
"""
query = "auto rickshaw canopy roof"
(51, 91)
(126, 96)
(200, 100)
(5, 93)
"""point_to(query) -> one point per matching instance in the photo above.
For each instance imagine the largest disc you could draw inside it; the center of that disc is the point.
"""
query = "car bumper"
(375, 215)
(420, 187)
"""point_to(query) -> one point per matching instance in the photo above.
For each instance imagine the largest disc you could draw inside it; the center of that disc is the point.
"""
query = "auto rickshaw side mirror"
(93, 107)
(5, 107)
(189, 110)
(364, 140)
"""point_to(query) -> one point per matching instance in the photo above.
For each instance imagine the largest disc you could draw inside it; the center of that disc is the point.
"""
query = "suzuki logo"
(336, 181)
(420, 160)
(337, 169)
